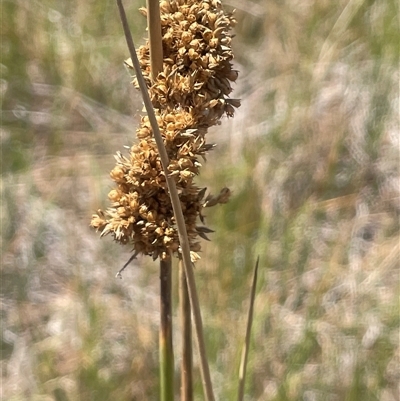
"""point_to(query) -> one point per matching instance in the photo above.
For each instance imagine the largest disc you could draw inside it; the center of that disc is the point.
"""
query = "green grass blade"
(245, 351)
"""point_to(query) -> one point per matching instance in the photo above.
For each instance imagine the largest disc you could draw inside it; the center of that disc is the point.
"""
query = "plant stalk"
(155, 38)
(187, 351)
(166, 346)
(180, 221)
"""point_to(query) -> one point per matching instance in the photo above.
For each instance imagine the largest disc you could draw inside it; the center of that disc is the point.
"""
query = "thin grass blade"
(245, 351)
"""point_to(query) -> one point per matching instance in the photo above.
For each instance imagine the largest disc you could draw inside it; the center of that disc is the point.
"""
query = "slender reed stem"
(180, 221)
(245, 351)
(165, 342)
(166, 347)
(187, 351)
(155, 39)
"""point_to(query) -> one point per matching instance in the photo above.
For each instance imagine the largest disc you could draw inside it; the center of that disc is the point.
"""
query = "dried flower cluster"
(189, 96)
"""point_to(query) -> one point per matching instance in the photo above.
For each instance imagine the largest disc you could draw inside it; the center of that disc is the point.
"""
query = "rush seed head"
(190, 95)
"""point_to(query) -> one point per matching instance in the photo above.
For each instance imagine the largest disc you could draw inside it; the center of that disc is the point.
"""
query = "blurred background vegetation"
(312, 158)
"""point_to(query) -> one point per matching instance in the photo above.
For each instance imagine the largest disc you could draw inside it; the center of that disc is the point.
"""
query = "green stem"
(166, 346)
(187, 351)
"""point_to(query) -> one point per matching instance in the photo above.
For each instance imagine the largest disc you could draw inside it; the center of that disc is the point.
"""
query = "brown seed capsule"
(178, 16)
(169, 117)
(207, 35)
(211, 17)
(152, 216)
(213, 43)
(117, 174)
(159, 231)
(193, 55)
(121, 211)
(186, 38)
(167, 240)
(114, 195)
(195, 44)
(143, 211)
(164, 7)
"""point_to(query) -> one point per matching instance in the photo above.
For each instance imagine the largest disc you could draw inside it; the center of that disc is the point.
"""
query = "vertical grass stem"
(187, 351)
(155, 38)
(166, 346)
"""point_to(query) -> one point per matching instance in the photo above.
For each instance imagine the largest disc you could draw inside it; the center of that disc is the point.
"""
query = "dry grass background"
(313, 161)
